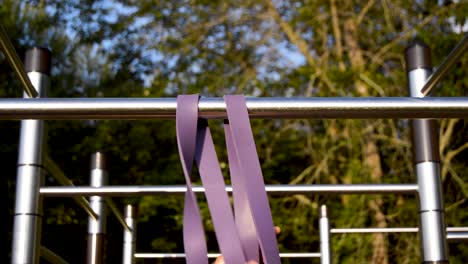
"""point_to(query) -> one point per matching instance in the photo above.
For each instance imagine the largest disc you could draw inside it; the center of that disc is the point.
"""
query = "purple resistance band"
(253, 225)
(241, 147)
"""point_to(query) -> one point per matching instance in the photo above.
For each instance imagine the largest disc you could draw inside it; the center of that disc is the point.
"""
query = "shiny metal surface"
(97, 203)
(129, 239)
(28, 202)
(215, 255)
(431, 212)
(457, 236)
(457, 229)
(38, 79)
(374, 230)
(26, 237)
(160, 108)
(449, 61)
(324, 229)
(120, 191)
(30, 142)
(95, 251)
(15, 62)
(433, 236)
(28, 183)
(51, 257)
(96, 227)
(431, 208)
(416, 80)
(430, 186)
(451, 231)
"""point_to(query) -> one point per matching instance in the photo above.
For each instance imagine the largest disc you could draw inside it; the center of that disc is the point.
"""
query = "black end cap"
(418, 55)
(38, 59)
(98, 160)
(425, 140)
(436, 262)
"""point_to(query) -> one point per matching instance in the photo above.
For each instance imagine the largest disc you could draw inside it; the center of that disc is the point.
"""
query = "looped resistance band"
(239, 240)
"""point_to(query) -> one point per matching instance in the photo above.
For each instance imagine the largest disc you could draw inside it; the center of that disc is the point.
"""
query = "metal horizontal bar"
(457, 229)
(160, 108)
(457, 236)
(215, 255)
(451, 231)
(51, 257)
(141, 190)
(58, 175)
(446, 65)
(117, 213)
(16, 63)
(374, 230)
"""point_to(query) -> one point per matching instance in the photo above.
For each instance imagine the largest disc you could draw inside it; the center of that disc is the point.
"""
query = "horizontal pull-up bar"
(389, 230)
(161, 108)
(142, 190)
(215, 255)
(453, 234)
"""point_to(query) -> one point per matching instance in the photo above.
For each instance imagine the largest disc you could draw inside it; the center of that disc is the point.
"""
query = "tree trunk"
(371, 155)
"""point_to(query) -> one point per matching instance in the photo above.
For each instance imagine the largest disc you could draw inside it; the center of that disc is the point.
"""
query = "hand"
(220, 259)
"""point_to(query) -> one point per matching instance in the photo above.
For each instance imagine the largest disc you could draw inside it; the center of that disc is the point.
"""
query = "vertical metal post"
(129, 240)
(427, 160)
(324, 227)
(28, 205)
(97, 227)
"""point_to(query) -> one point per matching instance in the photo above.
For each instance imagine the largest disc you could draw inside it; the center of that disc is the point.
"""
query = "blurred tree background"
(319, 48)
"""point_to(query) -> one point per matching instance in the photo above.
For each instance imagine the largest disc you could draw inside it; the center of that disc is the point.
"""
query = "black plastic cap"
(425, 140)
(436, 262)
(38, 59)
(98, 161)
(418, 55)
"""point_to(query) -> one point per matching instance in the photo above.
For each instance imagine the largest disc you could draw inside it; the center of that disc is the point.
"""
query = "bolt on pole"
(427, 161)
(97, 227)
(28, 203)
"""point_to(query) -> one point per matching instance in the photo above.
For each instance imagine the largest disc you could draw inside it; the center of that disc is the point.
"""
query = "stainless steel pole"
(324, 227)
(165, 108)
(97, 227)
(129, 241)
(426, 157)
(28, 206)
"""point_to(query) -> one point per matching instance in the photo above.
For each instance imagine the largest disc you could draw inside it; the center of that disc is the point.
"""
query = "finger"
(277, 230)
(219, 260)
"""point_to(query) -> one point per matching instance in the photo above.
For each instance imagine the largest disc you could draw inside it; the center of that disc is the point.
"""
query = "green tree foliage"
(259, 48)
